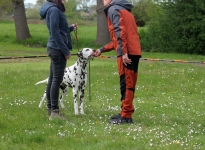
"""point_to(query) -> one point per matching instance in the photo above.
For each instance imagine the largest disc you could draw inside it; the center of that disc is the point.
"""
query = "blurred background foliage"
(176, 26)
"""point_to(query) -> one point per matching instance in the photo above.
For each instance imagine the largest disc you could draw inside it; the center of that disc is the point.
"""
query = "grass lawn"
(169, 108)
(37, 44)
(169, 101)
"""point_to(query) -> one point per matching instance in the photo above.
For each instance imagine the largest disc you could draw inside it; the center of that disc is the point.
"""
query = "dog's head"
(86, 53)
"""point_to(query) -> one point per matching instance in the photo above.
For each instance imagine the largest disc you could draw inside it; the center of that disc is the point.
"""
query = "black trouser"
(57, 66)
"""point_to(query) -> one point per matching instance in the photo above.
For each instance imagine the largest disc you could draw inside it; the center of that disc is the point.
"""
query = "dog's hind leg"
(75, 93)
(44, 95)
(64, 92)
(42, 100)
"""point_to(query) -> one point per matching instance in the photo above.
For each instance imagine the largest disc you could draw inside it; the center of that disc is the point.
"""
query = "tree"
(21, 26)
(179, 29)
(5, 8)
(140, 12)
(71, 9)
(103, 36)
(40, 2)
(83, 5)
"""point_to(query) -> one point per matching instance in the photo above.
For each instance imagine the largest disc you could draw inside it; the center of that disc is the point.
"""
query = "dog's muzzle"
(92, 55)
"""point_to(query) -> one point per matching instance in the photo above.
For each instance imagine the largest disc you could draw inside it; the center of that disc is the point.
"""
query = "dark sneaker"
(56, 114)
(121, 121)
(115, 116)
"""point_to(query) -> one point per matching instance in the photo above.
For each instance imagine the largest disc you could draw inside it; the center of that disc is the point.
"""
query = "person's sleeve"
(120, 31)
(108, 47)
(71, 28)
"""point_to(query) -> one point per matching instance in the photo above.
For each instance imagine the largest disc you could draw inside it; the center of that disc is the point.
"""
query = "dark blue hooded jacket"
(58, 27)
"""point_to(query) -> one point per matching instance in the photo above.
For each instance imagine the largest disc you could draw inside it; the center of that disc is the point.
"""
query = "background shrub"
(180, 28)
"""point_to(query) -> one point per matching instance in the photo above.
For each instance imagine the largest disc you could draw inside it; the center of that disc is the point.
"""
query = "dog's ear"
(80, 54)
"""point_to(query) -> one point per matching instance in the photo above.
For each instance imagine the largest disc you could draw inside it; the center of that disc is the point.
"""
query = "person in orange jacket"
(126, 43)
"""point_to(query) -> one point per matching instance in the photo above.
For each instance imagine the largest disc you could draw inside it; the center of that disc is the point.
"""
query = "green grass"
(37, 44)
(169, 108)
(169, 100)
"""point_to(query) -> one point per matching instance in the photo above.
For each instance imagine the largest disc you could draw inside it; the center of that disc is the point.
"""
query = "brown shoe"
(56, 114)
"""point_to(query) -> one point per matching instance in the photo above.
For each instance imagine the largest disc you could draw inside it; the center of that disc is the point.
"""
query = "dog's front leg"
(64, 92)
(81, 95)
(75, 92)
(42, 100)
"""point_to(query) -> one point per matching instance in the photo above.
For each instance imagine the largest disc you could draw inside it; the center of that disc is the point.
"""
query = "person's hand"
(126, 60)
(67, 57)
(97, 53)
(75, 26)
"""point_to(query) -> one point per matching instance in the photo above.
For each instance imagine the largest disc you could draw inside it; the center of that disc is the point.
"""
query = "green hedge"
(179, 29)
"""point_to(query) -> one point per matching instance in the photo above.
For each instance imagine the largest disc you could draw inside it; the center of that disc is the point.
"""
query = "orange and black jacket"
(123, 29)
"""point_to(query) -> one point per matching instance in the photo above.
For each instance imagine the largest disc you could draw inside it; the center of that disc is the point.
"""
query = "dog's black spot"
(63, 86)
(75, 68)
(69, 70)
(79, 70)
(80, 54)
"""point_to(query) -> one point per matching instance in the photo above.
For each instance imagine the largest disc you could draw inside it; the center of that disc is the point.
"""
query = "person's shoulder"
(112, 10)
(54, 8)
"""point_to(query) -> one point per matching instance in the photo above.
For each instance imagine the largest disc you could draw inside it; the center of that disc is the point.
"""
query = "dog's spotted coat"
(75, 77)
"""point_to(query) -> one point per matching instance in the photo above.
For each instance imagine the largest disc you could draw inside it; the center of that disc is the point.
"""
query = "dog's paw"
(76, 113)
(83, 113)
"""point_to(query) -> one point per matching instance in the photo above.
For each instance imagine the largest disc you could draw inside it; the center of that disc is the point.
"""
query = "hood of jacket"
(123, 3)
(44, 9)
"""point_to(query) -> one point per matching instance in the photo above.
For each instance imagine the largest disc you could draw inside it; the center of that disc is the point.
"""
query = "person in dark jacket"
(58, 48)
(126, 43)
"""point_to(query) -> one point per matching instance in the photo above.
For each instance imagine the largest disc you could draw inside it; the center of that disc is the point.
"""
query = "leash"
(76, 36)
(89, 80)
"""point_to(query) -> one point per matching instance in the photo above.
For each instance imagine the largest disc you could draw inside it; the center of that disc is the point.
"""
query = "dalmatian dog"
(75, 77)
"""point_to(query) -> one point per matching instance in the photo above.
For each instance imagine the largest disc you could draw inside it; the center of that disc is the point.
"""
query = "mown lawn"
(169, 100)
(169, 108)
(36, 46)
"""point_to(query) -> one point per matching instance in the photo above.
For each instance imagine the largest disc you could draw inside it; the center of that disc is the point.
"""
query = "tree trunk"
(22, 31)
(103, 36)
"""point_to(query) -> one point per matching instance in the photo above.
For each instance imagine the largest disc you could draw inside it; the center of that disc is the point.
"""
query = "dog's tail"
(43, 81)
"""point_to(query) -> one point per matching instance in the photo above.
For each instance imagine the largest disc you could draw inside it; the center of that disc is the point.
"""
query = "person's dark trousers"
(57, 66)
